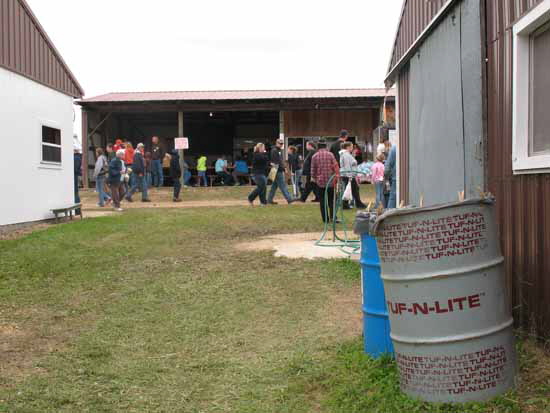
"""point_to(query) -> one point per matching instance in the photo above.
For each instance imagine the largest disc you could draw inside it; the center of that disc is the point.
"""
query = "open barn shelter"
(232, 122)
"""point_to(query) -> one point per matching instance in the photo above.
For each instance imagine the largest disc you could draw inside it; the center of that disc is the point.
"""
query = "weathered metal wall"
(416, 16)
(445, 107)
(403, 86)
(523, 202)
(359, 123)
(26, 49)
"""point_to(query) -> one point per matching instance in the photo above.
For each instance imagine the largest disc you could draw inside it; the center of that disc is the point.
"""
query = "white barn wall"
(29, 189)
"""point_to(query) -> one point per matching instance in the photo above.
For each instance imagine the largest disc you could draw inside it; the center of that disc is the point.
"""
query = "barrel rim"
(414, 210)
(455, 338)
(485, 265)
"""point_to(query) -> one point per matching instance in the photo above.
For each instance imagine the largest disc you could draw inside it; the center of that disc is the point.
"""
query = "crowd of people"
(319, 167)
(121, 171)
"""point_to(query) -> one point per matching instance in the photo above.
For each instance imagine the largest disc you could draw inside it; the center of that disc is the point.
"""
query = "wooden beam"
(181, 152)
(85, 148)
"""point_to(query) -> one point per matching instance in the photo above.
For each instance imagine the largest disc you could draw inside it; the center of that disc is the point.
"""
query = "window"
(51, 145)
(531, 111)
(539, 134)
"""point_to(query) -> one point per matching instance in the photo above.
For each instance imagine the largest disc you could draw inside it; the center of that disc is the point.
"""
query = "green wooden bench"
(68, 211)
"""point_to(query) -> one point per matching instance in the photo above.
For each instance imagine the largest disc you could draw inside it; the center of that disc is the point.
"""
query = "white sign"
(181, 143)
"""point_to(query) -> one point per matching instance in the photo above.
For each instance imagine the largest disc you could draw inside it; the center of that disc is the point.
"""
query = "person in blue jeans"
(139, 172)
(148, 167)
(186, 175)
(277, 160)
(157, 155)
(390, 172)
(260, 164)
(100, 173)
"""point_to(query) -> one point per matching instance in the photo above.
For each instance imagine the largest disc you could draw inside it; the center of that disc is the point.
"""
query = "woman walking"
(260, 164)
(295, 162)
(100, 172)
(117, 170)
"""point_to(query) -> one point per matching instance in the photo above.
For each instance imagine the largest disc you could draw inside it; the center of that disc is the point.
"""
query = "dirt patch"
(295, 246)
(344, 313)
(137, 204)
(16, 231)
(39, 333)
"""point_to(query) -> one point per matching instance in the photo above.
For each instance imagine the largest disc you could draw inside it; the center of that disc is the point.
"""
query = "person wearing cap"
(117, 169)
(138, 172)
(336, 147)
(277, 161)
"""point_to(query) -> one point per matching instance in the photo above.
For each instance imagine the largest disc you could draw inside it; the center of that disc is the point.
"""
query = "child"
(378, 180)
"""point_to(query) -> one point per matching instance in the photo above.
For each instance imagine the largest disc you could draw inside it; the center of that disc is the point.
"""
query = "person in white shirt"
(348, 165)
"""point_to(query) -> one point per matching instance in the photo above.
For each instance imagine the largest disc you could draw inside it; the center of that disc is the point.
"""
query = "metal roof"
(240, 95)
(26, 49)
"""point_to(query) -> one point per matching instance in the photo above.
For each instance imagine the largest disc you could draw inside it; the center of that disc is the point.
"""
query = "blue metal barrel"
(376, 325)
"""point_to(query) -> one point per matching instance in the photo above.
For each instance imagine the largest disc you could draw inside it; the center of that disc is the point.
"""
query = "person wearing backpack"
(100, 173)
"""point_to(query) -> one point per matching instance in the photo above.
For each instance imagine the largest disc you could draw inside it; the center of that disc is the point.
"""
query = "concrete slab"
(296, 246)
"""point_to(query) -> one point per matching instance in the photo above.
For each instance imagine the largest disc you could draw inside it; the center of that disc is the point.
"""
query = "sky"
(160, 45)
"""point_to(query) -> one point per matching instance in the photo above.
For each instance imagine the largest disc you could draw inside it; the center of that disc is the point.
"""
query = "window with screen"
(539, 136)
(51, 145)
(531, 91)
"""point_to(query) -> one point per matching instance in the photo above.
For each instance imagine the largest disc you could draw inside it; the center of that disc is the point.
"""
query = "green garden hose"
(346, 245)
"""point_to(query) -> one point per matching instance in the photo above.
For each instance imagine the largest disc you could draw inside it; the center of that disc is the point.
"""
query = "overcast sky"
(154, 45)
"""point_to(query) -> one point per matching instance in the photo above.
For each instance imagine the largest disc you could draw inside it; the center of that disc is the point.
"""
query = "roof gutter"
(392, 72)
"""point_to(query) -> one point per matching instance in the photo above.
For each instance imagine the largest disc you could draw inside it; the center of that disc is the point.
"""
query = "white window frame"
(52, 125)
(522, 161)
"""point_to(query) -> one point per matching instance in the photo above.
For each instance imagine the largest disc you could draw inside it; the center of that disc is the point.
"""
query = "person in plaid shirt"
(323, 166)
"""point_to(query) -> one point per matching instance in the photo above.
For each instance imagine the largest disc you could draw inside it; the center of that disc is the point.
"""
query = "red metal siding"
(26, 49)
(522, 201)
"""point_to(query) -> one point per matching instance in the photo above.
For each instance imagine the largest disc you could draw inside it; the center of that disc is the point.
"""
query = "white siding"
(28, 188)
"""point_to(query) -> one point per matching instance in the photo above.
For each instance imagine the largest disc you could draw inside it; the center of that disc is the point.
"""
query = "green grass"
(154, 310)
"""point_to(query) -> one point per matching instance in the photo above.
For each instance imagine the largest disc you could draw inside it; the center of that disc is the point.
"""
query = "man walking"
(157, 155)
(306, 171)
(277, 161)
(336, 147)
(323, 166)
(138, 165)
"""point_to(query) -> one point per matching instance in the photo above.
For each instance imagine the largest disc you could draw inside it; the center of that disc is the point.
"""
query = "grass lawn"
(153, 310)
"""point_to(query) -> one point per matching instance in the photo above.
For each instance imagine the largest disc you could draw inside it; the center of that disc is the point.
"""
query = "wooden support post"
(181, 151)
(282, 134)
(85, 148)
